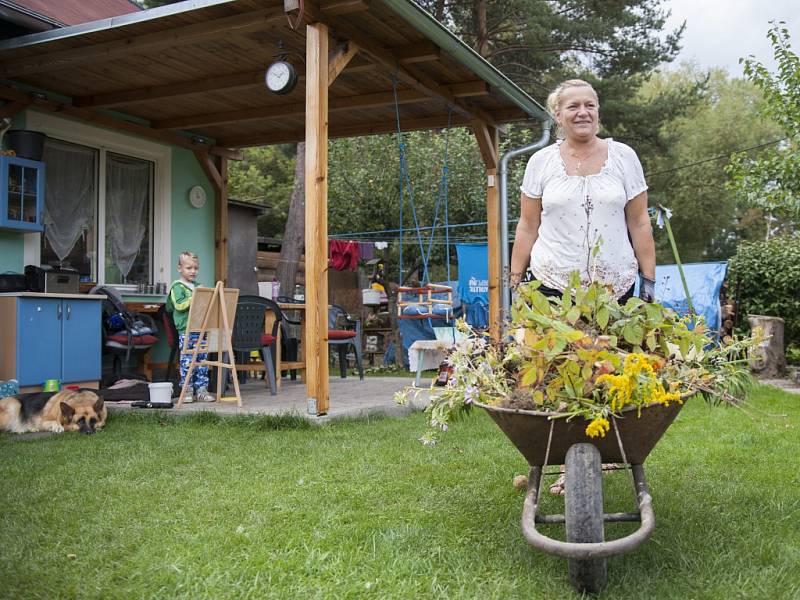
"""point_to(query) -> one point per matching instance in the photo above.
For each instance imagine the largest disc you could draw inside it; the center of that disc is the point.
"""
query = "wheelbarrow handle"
(583, 551)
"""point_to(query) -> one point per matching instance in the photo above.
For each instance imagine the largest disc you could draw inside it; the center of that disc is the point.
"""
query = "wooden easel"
(211, 315)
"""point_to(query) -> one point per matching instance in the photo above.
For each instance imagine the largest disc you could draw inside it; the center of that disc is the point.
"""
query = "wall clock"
(197, 196)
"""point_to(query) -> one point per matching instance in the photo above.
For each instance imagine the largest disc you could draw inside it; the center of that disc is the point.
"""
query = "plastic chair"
(171, 333)
(290, 344)
(342, 338)
(248, 335)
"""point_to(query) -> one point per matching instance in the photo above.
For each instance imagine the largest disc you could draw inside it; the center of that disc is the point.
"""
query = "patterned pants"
(200, 373)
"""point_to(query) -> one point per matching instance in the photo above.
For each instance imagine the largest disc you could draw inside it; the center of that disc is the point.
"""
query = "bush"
(765, 279)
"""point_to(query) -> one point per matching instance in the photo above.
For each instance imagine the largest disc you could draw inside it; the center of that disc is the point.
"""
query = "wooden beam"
(316, 219)
(486, 143)
(168, 38)
(343, 7)
(339, 61)
(369, 128)
(466, 89)
(171, 90)
(493, 237)
(417, 53)
(221, 225)
(278, 111)
(117, 124)
(210, 169)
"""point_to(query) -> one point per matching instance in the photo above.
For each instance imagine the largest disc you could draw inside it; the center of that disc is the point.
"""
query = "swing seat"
(432, 301)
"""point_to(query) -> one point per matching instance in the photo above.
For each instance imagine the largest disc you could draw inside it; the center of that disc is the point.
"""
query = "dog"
(68, 410)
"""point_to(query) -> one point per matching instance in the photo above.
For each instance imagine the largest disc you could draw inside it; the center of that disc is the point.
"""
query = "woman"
(579, 194)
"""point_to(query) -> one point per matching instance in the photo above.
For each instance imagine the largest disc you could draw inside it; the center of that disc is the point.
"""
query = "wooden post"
(489, 145)
(218, 176)
(316, 180)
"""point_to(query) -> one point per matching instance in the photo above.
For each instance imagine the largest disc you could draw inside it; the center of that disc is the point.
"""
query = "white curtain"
(70, 194)
(128, 191)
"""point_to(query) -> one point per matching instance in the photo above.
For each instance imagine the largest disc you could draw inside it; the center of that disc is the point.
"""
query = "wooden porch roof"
(196, 68)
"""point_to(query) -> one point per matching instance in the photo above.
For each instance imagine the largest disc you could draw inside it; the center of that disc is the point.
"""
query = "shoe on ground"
(202, 395)
(189, 398)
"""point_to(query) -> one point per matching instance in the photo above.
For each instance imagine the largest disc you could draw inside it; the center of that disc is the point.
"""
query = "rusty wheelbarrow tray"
(544, 440)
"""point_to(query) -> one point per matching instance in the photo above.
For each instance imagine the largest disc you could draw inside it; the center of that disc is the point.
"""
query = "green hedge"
(765, 279)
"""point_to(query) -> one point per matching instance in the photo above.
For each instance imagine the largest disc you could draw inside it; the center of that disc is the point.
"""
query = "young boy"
(178, 302)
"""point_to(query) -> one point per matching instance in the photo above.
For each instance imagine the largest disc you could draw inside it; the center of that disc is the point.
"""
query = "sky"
(719, 32)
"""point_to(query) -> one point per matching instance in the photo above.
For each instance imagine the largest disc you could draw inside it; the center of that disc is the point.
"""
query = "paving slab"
(348, 398)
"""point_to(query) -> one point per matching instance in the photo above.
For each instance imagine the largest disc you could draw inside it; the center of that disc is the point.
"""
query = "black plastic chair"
(344, 331)
(290, 344)
(171, 332)
(248, 335)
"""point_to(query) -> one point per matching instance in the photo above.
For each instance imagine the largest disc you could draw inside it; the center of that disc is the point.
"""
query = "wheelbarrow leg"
(583, 511)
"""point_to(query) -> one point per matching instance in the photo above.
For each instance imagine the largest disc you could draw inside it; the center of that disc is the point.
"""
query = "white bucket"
(160, 392)
(370, 297)
(445, 334)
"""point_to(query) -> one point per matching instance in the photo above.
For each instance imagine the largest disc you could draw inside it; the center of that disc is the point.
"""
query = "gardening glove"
(647, 289)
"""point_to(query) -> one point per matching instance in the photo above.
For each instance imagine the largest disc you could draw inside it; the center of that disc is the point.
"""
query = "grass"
(158, 506)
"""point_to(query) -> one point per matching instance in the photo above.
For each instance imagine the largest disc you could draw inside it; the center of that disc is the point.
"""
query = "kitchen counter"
(54, 296)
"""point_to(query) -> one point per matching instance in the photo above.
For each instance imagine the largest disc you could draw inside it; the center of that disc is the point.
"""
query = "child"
(178, 302)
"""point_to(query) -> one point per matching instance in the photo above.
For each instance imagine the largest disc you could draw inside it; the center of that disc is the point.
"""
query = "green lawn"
(202, 507)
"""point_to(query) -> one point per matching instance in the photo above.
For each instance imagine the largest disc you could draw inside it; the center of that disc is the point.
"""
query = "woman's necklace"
(574, 154)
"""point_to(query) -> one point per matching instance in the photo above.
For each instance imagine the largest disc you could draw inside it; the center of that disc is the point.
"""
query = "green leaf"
(651, 341)
(633, 333)
(573, 315)
(602, 318)
(530, 376)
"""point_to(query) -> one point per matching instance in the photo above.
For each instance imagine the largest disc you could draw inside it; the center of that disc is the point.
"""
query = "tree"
(613, 44)
(690, 177)
(771, 182)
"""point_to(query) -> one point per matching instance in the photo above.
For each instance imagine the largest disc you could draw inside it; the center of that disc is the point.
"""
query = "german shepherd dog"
(68, 410)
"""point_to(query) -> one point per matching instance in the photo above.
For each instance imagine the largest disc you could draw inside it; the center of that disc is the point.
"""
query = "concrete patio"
(348, 398)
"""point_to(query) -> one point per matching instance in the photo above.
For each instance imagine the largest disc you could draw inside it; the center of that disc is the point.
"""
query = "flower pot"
(26, 144)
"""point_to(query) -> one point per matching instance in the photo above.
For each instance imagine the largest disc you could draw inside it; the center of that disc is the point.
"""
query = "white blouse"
(581, 212)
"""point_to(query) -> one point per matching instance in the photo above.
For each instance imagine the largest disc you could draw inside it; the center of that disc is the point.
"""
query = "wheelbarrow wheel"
(583, 510)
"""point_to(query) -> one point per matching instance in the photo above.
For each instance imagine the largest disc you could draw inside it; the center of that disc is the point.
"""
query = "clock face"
(197, 196)
(281, 77)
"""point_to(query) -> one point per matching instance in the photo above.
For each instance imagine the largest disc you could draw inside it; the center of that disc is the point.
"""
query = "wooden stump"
(768, 359)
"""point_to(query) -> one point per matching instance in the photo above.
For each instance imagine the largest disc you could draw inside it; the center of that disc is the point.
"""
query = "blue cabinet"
(50, 338)
(21, 194)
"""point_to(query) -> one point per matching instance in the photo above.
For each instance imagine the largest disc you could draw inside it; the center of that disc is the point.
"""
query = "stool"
(427, 354)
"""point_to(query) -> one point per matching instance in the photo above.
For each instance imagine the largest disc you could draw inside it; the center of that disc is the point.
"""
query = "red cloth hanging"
(343, 255)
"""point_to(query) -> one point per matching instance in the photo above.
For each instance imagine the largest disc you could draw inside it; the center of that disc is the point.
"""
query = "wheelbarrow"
(544, 441)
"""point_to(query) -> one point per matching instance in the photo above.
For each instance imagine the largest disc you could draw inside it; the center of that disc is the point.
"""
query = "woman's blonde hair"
(554, 100)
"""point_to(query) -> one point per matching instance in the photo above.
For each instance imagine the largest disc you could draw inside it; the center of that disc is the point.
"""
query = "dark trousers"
(552, 292)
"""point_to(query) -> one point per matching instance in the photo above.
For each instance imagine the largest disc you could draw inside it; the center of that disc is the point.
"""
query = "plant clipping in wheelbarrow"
(585, 356)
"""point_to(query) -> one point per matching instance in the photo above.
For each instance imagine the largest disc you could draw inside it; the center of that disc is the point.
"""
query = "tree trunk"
(768, 359)
(481, 33)
(294, 234)
(439, 12)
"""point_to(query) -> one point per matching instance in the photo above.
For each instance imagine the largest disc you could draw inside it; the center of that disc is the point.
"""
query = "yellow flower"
(598, 427)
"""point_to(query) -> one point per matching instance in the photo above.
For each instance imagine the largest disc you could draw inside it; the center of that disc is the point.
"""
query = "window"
(107, 210)
(71, 219)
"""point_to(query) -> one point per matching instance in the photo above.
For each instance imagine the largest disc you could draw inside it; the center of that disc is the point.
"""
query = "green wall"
(192, 228)
(12, 243)
(11, 252)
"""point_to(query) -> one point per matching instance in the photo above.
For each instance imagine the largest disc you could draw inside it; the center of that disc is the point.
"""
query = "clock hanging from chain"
(281, 76)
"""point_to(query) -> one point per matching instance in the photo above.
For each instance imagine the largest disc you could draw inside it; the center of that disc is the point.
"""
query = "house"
(144, 110)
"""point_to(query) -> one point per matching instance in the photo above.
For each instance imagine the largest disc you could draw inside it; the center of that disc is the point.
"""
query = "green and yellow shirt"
(179, 300)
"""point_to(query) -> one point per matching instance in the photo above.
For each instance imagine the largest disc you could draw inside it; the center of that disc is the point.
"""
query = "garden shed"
(182, 86)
